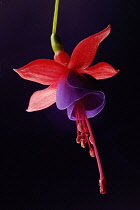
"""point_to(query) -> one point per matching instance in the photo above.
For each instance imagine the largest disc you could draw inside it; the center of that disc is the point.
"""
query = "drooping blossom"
(73, 86)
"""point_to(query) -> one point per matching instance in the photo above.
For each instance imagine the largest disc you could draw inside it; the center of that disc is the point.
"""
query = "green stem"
(55, 39)
(55, 17)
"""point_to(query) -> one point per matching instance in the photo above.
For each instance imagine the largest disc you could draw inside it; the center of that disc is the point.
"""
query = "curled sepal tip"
(56, 43)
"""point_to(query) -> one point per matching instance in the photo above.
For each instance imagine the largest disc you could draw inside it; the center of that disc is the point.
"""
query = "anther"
(91, 152)
(90, 140)
(80, 127)
(83, 143)
(78, 139)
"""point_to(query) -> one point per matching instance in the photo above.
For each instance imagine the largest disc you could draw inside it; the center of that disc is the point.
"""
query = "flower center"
(85, 137)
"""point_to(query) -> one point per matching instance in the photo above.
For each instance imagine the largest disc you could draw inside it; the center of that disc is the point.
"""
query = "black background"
(42, 168)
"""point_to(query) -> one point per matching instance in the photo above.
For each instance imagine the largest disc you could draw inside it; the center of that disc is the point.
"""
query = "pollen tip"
(83, 143)
(79, 127)
(103, 186)
(78, 139)
(91, 152)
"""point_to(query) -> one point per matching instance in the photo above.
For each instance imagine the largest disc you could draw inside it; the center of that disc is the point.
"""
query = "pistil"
(85, 136)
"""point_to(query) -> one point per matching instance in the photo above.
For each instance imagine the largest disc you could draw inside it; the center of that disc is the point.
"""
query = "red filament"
(85, 136)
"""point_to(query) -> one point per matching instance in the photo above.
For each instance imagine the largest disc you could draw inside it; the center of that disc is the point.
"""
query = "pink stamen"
(83, 143)
(84, 134)
(87, 138)
(78, 139)
(80, 127)
(91, 152)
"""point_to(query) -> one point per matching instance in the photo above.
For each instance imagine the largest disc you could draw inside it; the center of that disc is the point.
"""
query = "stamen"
(102, 181)
(103, 186)
(91, 152)
(84, 134)
(83, 143)
(90, 140)
(78, 139)
(80, 127)
(86, 130)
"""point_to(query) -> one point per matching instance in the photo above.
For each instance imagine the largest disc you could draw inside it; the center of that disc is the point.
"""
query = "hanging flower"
(73, 86)
(54, 73)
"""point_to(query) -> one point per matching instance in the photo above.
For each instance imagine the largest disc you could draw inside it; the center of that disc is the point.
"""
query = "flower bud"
(56, 43)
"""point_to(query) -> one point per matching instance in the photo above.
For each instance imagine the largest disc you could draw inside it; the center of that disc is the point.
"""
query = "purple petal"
(67, 95)
(83, 81)
(94, 102)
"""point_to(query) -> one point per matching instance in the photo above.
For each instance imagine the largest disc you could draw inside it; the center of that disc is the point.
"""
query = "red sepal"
(43, 71)
(42, 99)
(85, 51)
(100, 71)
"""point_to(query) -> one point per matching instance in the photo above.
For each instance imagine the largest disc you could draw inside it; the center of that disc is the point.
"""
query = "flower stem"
(55, 39)
(55, 17)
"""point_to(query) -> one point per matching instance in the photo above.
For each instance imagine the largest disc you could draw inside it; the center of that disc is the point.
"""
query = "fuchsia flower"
(73, 86)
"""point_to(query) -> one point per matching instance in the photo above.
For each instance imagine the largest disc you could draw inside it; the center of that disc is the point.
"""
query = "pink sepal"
(85, 51)
(42, 99)
(100, 71)
(43, 71)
